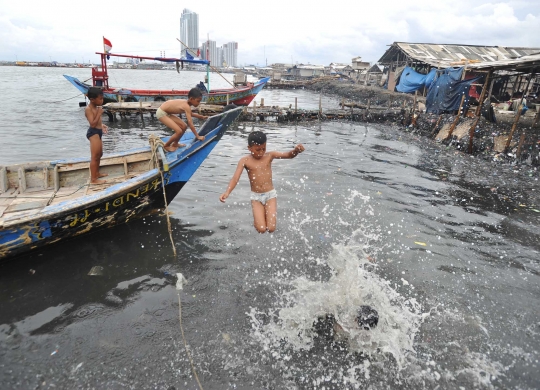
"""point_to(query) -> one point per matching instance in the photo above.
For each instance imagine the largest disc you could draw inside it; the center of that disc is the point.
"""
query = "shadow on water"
(127, 256)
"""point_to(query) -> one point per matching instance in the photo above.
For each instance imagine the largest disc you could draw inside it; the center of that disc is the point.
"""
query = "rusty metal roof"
(453, 54)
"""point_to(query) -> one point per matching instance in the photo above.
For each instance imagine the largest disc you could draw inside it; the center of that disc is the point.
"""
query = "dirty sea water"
(444, 246)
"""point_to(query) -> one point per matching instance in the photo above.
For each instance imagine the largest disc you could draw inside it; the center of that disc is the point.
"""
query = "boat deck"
(26, 189)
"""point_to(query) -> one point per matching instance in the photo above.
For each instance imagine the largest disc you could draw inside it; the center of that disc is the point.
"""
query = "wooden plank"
(2, 209)
(56, 178)
(4, 182)
(22, 180)
(45, 177)
(36, 204)
(105, 162)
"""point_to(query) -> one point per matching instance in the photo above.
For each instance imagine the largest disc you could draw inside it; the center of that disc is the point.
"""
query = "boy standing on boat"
(259, 168)
(93, 113)
(167, 112)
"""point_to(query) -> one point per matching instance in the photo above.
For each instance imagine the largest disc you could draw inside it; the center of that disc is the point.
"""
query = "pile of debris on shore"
(490, 139)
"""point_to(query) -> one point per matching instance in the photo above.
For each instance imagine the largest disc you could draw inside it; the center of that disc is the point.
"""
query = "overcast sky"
(316, 32)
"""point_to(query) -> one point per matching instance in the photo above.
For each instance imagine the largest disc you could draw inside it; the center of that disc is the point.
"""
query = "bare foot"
(177, 145)
(170, 148)
(103, 174)
(97, 181)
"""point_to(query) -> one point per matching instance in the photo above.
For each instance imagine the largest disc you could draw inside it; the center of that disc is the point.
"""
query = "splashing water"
(287, 331)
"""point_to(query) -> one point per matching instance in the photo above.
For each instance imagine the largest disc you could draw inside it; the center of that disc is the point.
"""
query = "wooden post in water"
(227, 99)
(295, 106)
(140, 109)
(456, 119)
(320, 105)
(478, 111)
(262, 102)
(255, 109)
(514, 126)
(520, 145)
(436, 125)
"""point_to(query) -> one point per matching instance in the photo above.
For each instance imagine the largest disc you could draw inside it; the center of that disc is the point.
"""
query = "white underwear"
(263, 197)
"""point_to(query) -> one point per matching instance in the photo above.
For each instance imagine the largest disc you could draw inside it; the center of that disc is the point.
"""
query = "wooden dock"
(346, 111)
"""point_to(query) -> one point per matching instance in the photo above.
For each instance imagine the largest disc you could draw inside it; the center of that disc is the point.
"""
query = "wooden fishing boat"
(241, 96)
(45, 202)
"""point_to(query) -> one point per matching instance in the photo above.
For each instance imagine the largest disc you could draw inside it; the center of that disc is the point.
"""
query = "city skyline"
(300, 35)
(224, 55)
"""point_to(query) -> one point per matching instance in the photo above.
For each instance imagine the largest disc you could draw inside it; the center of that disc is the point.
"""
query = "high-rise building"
(189, 31)
(230, 53)
(212, 53)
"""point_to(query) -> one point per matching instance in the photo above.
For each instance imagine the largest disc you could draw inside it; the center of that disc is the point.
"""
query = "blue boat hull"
(117, 204)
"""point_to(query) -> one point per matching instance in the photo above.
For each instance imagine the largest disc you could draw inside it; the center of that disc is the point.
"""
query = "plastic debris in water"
(420, 243)
(180, 281)
(96, 270)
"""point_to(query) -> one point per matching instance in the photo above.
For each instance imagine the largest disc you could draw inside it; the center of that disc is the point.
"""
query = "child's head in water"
(257, 144)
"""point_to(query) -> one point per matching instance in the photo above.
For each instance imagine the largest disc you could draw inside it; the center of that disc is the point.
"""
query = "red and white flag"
(107, 45)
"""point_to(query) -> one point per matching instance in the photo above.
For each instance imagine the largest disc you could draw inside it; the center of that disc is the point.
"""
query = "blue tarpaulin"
(446, 91)
(411, 80)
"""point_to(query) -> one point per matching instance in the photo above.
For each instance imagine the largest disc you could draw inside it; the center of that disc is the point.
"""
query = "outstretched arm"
(290, 154)
(234, 181)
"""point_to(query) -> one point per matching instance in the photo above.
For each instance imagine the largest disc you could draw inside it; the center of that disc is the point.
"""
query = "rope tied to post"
(155, 144)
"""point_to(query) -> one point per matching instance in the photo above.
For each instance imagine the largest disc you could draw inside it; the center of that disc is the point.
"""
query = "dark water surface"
(454, 240)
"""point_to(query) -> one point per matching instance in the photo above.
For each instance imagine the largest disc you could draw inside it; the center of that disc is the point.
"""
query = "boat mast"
(208, 59)
(101, 78)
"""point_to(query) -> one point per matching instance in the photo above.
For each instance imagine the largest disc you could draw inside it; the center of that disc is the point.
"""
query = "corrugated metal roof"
(448, 55)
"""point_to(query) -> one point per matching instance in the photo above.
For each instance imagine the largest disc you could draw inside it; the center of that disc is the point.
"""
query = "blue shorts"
(93, 131)
(263, 197)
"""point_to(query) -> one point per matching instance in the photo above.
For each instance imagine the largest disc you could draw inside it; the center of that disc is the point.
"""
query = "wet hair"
(94, 92)
(194, 93)
(256, 138)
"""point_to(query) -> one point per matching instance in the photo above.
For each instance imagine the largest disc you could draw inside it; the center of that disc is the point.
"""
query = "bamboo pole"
(436, 125)
(483, 94)
(471, 133)
(520, 145)
(514, 126)
(456, 119)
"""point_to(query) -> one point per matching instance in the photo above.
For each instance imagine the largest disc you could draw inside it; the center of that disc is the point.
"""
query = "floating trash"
(96, 270)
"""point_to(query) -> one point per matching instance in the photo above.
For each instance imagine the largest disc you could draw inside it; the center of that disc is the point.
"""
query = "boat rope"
(214, 69)
(156, 142)
(59, 101)
(185, 343)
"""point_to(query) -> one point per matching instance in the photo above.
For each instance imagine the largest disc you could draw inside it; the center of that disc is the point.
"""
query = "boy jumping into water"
(259, 168)
(165, 114)
(93, 113)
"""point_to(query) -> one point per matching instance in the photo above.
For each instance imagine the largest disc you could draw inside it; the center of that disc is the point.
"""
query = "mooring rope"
(185, 343)
(155, 143)
(59, 101)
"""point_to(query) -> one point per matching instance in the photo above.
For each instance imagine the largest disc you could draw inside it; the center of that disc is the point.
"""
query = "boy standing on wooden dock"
(93, 113)
(259, 168)
(167, 112)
